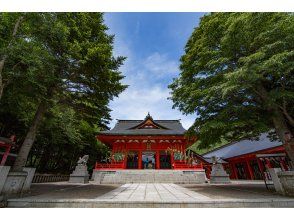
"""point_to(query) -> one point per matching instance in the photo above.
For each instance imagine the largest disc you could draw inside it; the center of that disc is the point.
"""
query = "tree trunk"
(280, 123)
(22, 156)
(283, 132)
(1, 78)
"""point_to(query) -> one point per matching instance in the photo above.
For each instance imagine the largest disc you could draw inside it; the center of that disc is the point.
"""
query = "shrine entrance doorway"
(132, 160)
(148, 160)
(165, 160)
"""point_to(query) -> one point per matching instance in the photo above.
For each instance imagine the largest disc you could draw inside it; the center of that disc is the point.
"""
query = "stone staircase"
(149, 176)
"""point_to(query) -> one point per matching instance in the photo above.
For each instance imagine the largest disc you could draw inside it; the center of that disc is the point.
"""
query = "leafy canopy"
(64, 61)
(236, 74)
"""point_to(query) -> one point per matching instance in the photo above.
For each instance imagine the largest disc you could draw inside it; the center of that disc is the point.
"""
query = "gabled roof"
(148, 123)
(205, 159)
(243, 147)
(148, 126)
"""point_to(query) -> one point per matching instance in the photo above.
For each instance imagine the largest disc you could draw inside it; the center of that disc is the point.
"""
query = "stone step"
(83, 203)
(147, 176)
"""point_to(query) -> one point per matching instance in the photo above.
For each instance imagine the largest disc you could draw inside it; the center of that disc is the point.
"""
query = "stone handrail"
(44, 178)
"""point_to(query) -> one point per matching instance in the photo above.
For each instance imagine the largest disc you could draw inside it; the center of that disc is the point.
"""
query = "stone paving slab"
(88, 203)
(152, 192)
(158, 195)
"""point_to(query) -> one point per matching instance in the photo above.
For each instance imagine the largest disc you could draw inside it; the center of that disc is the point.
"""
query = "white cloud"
(135, 103)
(146, 92)
(161, 65)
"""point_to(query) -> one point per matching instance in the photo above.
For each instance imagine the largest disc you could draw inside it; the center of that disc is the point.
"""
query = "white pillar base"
(28, 182)
(4, 170)
(14, 182)
(287, 181)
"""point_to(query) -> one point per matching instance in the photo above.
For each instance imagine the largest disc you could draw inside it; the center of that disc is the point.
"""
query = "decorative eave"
(112, 138)
(148, 123)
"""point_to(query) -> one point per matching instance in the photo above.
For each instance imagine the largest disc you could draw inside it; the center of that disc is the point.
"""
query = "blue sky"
(153, 44)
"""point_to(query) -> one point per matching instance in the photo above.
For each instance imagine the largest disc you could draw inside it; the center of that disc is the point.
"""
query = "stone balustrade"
(149, 176)
(44, 178)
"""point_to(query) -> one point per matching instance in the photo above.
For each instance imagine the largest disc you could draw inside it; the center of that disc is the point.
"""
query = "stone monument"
(218, 174)
(80, 174)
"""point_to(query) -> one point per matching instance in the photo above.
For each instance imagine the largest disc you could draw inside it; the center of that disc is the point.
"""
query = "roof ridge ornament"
(148, 116)
(148, 123)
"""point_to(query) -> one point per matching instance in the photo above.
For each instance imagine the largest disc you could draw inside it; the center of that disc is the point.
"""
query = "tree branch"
(285, 112)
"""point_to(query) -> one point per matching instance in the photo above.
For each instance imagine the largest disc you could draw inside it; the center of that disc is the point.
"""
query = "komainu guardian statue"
(80, 174)
(83, 160)
(218, 174)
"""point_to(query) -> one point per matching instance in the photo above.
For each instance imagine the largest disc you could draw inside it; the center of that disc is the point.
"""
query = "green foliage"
(237, 75)
(62, 139)
(195, 147)
(65, 62)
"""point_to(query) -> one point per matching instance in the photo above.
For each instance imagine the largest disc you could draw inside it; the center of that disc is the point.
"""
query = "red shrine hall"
(148, 144)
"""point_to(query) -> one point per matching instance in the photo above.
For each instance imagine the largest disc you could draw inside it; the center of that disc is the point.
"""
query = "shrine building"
(251, 159)
(148, 144)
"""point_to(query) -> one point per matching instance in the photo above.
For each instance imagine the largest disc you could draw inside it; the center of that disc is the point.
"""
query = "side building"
(249, 159)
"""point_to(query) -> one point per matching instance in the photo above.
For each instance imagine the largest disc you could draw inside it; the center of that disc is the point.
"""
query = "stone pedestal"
(287, 181)
(98, 176)
(218, 175)
(29, 179)
(79, 175)
(4, 170)
(277, 184)
(14, 182)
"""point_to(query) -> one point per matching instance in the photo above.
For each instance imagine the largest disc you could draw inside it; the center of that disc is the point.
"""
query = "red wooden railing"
(178, 165)
(109, 166)
(45, 178)
(182, 165)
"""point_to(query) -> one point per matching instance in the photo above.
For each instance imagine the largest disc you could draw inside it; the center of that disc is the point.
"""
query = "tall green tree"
(237, 75)
(9, 41)
(71, 63)
(62, 139)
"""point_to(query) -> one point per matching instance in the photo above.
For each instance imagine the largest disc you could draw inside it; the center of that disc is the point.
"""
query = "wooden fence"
(44, 178)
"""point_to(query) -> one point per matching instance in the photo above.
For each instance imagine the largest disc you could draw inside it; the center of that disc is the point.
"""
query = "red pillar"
(126, 155)
(157, 160)
(251, 176)
(234, 170)
(140, 160)
(172, 159)
(4, 158)
(182, 157)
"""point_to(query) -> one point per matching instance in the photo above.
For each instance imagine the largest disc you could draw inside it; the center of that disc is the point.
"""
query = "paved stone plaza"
(237, 194)
(157, 192)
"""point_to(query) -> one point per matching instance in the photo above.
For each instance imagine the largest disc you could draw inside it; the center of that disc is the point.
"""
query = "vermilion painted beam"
(4, 158)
